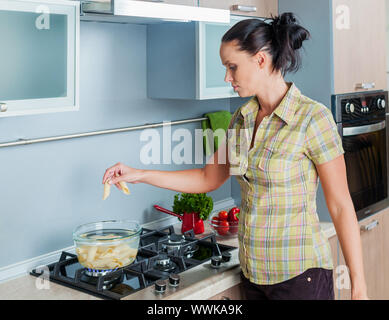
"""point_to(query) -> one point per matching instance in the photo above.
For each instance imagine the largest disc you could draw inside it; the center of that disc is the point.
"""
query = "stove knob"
(215, 262)
(160, 286)
(350, 108)
(226, 256)
(174, 280)
(381, 103)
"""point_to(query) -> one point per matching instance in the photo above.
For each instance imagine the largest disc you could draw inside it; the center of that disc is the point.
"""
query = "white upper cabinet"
(359, 45)
(179, 2)
(183, 61)
(39, 56)
(254, 8)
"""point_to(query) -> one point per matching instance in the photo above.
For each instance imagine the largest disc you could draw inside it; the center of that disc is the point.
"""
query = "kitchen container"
(190, 220)
(107, 245)
(230, 231)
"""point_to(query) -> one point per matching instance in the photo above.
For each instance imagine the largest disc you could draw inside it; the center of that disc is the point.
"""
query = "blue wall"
(48, 189)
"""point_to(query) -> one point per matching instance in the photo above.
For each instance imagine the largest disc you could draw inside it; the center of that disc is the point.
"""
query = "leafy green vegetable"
(193, 202)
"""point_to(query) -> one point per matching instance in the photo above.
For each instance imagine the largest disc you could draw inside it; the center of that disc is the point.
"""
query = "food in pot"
(107, 245)
(103, 257)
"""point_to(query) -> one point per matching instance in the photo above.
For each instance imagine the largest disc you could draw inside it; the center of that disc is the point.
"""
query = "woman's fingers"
(112, 172)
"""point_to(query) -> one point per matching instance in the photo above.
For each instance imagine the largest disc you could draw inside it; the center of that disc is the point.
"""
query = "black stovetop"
(144, 271)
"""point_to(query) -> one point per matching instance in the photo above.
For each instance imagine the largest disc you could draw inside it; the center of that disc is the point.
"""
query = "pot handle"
(167, 211)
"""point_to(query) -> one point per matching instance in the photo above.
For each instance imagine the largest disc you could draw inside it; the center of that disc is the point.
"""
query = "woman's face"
(244, 71)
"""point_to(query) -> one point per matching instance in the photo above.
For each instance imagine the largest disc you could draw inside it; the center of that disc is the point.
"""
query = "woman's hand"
(359, 296)
(359, 293)
(120, 172)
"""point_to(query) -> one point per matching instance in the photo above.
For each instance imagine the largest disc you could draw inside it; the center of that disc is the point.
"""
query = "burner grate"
(120, 282)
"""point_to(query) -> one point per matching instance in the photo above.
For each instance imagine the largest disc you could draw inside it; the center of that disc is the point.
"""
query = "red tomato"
(223, 227)
(215, 220)
(223, 215)
(233, 227)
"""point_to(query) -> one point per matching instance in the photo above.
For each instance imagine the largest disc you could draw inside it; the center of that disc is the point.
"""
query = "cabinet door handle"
(238, 7)
(370, 226)
(367, 85)
(3, 107)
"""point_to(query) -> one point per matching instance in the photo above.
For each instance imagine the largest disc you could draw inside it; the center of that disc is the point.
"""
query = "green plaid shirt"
(279, 230)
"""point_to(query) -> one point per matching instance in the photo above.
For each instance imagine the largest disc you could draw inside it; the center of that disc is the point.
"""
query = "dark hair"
(282, 36)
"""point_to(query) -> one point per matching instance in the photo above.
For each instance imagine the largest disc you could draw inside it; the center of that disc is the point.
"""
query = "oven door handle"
(364, 129)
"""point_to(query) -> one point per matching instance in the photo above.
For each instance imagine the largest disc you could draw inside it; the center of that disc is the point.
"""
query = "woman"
(279, 143)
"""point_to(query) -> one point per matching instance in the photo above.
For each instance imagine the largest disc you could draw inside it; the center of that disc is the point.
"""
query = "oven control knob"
(350, 108)
(174, 280)
(381, 103)
(215, 262)
(226, 256)
(160, 286)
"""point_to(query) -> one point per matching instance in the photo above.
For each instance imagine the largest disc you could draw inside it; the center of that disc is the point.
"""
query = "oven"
(361, 122)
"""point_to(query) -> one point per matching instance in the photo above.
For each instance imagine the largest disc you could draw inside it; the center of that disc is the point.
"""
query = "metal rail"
(21, 142)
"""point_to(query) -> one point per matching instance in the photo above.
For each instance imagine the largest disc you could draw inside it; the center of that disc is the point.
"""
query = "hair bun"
(284, 19)
(285, 26)
(281, 36)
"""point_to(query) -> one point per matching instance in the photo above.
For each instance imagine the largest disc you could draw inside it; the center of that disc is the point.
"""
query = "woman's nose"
(227, 77)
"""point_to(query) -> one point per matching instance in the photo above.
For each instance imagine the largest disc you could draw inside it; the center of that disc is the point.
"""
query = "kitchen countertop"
(201, 282)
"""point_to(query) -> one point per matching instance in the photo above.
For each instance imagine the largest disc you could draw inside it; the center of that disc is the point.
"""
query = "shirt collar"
(285, 110)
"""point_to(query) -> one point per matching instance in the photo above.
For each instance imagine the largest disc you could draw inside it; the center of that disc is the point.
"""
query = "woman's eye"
(232, 68)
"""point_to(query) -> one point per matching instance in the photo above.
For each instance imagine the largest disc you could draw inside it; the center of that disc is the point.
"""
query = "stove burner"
(190, 250)
(163, 260)
(98, 273)
(176, 239)
(164, 264)
(177, 244)
(93, 277)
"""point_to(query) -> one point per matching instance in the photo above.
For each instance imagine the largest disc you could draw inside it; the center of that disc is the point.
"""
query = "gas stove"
(162, 256)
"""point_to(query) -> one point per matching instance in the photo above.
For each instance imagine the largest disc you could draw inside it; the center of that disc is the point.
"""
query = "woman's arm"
(201, 180)
(333, 178)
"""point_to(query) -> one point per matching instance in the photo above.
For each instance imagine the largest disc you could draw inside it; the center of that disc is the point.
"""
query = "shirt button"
(309, 279)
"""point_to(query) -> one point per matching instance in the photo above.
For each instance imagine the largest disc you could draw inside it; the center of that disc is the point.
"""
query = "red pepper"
(198, 227)
(192, 221)
(232, 214)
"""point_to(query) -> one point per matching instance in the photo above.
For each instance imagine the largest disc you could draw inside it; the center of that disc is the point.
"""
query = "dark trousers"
(313, 284)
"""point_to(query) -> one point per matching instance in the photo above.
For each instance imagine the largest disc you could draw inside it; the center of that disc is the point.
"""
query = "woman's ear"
(261, 59)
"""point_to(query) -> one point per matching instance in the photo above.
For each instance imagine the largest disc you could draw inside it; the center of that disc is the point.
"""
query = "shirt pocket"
(278, 161)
